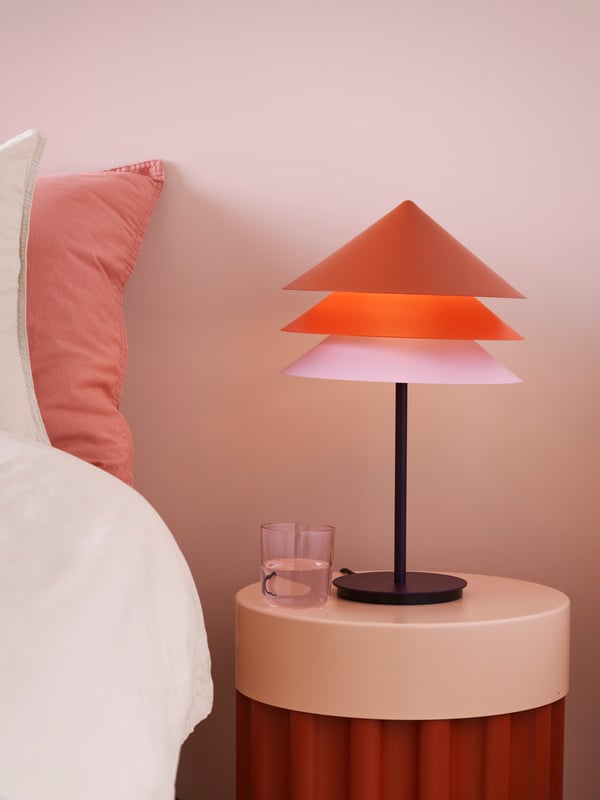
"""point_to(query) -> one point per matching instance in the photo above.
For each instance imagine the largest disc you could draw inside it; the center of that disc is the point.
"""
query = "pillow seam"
(131, 261)
(138, 237)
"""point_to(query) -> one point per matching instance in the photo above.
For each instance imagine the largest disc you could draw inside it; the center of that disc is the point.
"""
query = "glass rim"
(297, 527)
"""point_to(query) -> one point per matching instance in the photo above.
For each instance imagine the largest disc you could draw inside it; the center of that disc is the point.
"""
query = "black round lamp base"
(421, 588)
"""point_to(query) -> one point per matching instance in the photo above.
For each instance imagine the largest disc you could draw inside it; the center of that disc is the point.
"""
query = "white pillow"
(19, 160)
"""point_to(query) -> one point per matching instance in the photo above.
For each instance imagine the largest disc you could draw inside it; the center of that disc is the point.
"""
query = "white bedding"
(104, 664)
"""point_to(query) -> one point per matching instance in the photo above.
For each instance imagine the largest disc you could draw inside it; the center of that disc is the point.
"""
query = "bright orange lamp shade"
(409, 316)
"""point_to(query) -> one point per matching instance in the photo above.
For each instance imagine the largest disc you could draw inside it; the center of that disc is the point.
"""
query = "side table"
(452, 701)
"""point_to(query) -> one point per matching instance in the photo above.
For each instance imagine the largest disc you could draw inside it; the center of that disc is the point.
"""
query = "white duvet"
(104, 665)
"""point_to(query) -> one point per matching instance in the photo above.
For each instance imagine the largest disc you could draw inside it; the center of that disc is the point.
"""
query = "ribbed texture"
(290, 755)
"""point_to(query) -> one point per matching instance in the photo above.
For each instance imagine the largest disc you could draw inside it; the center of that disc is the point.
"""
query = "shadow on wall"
(200, 311)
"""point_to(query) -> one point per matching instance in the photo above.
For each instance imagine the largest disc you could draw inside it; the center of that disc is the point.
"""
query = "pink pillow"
(85, 235)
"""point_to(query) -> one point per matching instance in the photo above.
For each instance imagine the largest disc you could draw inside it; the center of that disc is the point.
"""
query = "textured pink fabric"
(85, 235)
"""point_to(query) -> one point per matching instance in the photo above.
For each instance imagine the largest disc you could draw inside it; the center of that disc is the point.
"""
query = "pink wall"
(287, 128)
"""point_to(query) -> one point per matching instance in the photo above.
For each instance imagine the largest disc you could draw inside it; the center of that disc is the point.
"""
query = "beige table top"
(503, 647)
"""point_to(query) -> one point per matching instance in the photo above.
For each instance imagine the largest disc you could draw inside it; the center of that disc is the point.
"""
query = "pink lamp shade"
(405, 252)
(403, 316)
(401, 361)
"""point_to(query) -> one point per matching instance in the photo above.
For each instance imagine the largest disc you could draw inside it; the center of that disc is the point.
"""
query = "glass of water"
(295, 564)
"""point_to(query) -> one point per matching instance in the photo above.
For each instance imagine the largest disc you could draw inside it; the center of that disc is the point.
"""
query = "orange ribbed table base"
(292, 755)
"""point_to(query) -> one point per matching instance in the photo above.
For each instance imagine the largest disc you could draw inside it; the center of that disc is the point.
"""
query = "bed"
(104, 661)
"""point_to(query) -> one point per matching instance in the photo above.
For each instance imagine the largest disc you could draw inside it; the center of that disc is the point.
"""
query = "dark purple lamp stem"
(400, 485)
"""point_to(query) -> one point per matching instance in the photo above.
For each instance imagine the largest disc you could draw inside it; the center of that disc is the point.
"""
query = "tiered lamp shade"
(403, 308)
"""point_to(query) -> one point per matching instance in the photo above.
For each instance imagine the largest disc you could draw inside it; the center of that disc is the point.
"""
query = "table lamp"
(403, 309)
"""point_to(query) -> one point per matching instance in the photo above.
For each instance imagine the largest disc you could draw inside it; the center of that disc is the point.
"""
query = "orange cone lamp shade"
(403, 309)
(405, 252)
